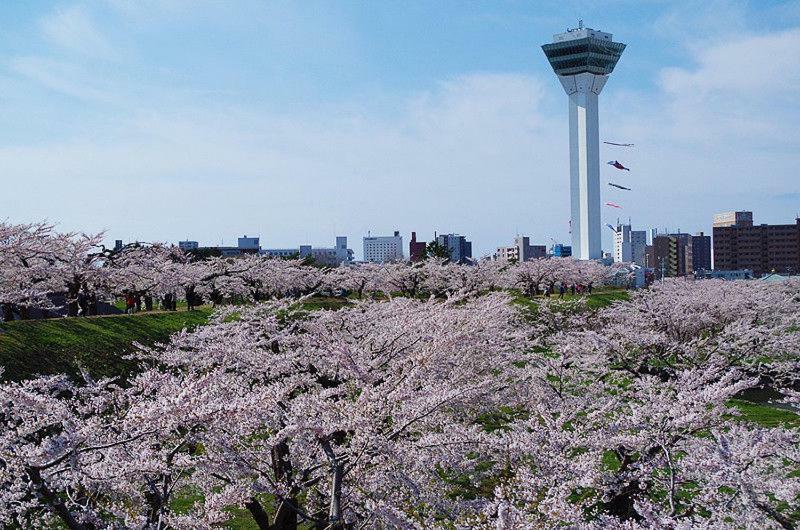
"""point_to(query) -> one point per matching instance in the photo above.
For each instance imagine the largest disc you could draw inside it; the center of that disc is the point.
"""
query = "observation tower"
(583, 58)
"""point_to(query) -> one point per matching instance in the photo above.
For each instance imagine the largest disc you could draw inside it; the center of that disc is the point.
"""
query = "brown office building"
(671, 255)
(738, 244)
(416, 249)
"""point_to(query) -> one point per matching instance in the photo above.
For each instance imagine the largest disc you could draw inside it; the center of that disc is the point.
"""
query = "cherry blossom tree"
(36, 262)
(460, 410)
(357, 395)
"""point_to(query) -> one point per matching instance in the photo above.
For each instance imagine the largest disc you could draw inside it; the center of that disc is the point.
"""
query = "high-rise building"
(381, 249)
(118, 245)
(522, 250)
(701, 252)
(672, 255)
(459, 249)
(416, 249)
(583, 59)
(342, 252)
(759, 248)
(629, 245)
(651, 234)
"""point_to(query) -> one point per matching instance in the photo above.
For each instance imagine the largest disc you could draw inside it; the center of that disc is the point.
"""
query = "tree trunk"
(260, 516)
(8, 312)
(285, 516)
(337, 470)
(54, 503)
(73, 289)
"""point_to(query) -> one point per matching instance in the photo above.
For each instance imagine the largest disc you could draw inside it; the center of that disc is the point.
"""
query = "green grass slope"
(98, 344)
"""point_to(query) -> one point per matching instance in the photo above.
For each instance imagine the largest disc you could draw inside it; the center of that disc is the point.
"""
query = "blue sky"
(161, 120)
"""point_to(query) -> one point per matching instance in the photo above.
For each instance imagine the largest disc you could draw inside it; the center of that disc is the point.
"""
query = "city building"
(228, 251)
(671, 255)
(739, 244)
(187, 245)
(281, 252)
(522, 250)
(629, 245)
(506, 254)
(117, 245)
(248, 245)
(744, 274)
(725, 219)
(381, 249)
(651, 234)
(582, 59)
(459, 249)
(330, 257)
(416, 249)
(561, 251)
(701, 252)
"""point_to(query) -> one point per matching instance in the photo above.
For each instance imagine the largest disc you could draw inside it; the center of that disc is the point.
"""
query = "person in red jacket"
(130, 303)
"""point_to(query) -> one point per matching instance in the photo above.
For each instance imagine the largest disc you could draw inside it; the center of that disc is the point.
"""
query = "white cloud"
(74, 30)
(717, 135)
(61, 77)
(477, 146)
(759, 66)
(483, 153)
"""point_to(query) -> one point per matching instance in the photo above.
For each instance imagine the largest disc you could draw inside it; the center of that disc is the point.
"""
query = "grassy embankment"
(96, 344)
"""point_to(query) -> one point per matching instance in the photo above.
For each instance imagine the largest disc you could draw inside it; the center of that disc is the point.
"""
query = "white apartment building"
(380, 249)
(629, 245)
(521, 251)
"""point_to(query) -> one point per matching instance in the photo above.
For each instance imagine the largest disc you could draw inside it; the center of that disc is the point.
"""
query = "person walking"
(561, 290)
(589, 287)
(130, 303)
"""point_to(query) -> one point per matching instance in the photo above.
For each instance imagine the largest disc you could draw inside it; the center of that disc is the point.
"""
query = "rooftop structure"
(733, 219)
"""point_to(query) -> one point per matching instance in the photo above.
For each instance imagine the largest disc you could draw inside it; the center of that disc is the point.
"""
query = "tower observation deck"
(583, 58)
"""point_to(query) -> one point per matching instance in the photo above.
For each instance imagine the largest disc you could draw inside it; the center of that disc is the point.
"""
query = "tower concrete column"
(582, 59)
